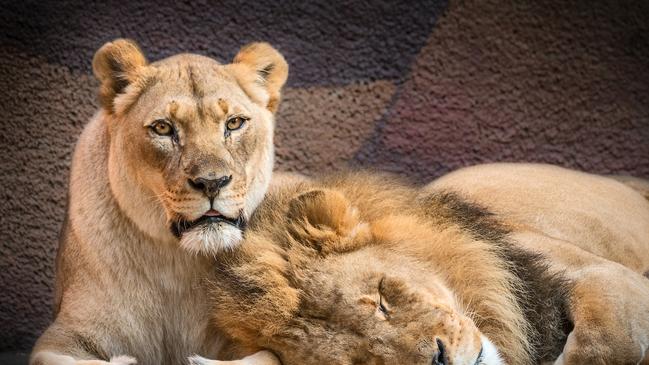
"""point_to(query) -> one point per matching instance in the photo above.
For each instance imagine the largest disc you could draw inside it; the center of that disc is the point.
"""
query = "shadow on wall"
(418, 88)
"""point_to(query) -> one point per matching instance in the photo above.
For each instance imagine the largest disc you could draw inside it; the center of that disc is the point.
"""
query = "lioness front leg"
(51, 358)
(60, 345)
(260, 358)
(609, 306)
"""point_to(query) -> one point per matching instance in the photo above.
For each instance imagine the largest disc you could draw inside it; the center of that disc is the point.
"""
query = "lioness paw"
(260, 358)
(200, 360)
(115, 360)
(51, 358)
(122, 360)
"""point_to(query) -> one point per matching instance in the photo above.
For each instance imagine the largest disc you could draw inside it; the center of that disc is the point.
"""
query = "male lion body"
(492, 264)
(162, 178)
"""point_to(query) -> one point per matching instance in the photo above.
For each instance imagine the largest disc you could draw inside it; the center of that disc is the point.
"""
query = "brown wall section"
(418, 88)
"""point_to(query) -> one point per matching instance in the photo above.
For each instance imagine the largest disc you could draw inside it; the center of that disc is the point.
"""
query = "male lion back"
(635, 183)
(639, 185)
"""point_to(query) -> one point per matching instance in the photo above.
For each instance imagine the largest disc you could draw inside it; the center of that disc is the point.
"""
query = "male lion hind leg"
(50, 358)
(260, 358)
(608, 304)
(635, 183)
(609, 307)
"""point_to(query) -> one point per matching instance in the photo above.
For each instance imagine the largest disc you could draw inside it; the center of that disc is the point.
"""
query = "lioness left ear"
(263, 66)
(325, 220)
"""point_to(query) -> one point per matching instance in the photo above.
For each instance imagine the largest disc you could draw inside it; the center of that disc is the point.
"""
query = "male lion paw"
(260, 358)
(610, 310)
(584, 348)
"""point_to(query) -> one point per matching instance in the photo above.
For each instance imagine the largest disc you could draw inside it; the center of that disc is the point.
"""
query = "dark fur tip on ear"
(116, 65)
(269, 66)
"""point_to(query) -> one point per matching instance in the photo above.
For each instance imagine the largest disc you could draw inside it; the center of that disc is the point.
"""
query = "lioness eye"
(162, 128)
(235, 123)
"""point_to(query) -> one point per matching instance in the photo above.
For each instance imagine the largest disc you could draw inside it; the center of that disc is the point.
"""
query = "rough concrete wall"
(418, 88)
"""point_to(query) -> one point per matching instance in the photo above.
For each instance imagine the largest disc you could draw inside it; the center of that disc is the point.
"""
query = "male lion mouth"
(211, 217)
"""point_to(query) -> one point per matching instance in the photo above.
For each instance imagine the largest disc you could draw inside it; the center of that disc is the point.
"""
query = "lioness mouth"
(211, 217)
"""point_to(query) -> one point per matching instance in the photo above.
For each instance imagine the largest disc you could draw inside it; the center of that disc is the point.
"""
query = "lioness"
(505, 263)
(164, 176)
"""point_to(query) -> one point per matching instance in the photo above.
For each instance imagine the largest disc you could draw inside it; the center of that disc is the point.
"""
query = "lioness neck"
(132, 280)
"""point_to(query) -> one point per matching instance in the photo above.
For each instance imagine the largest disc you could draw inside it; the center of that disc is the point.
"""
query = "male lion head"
(191, 140)
(332, 290)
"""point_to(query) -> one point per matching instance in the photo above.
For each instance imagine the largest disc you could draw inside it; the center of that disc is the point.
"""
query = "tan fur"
(595, 230)
(640, 185)
(124, 284)
(290, 288)
(322, 256)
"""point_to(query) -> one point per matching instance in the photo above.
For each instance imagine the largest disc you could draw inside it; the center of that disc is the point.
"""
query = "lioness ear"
(116, 65)
(325, 220)
(265, 67)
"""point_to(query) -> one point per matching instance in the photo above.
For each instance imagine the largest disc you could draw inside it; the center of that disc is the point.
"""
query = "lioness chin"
(497, 264)
(163, 177)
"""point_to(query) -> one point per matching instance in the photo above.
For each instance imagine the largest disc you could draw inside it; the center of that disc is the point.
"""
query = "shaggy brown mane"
(278, 290)
(541, 294)
(244, 286)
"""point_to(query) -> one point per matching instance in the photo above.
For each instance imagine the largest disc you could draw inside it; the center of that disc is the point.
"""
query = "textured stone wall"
(418, 88)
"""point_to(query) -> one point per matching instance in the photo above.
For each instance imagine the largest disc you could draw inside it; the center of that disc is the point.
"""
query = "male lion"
(494, 264)
(179, 155)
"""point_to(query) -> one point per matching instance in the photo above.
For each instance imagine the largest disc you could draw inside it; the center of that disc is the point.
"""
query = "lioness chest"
(157, 308)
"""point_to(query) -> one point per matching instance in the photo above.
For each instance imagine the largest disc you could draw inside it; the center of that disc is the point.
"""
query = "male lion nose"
(440, 358)
(210, 187)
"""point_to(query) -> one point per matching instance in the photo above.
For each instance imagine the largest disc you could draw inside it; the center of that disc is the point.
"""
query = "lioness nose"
(210, 187)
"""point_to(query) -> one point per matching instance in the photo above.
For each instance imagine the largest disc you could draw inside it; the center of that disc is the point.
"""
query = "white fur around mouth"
(211, 238)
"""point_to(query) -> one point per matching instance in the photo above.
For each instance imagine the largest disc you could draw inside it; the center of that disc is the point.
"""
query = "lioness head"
(191, 140)
(332, 291)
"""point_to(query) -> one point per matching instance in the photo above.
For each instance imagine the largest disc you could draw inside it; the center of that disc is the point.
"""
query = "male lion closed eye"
(163, 178)
(359, 269)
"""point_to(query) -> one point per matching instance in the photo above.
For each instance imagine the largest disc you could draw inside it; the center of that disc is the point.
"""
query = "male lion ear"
(265, 67)
(116, 65)
(325, 220)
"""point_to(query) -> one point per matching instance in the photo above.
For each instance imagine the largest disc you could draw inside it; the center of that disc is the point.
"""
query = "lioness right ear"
(266, 68)
(325, 220)
(116, 65)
